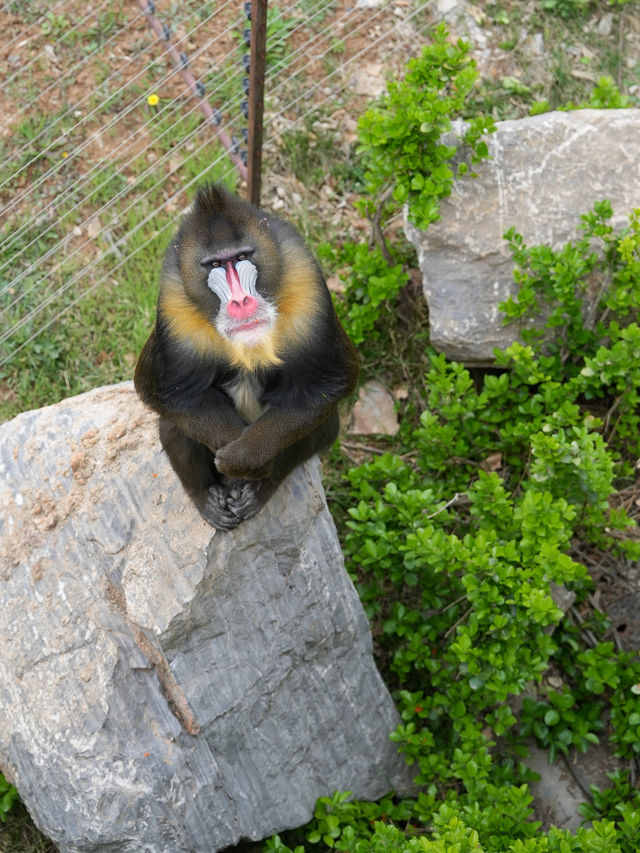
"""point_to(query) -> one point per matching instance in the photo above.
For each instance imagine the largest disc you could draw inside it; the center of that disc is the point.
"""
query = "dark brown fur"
(229, 465)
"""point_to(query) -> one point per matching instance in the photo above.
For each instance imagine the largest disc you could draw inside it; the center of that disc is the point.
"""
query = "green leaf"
(514, 85)
(551, 717)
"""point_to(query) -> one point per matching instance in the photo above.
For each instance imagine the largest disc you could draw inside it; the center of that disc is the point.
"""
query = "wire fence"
(110, 115)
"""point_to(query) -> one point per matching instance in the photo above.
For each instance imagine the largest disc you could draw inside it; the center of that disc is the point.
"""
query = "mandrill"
(247, 360)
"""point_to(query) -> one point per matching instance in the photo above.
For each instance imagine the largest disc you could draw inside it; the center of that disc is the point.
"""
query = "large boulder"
(543, 173)
(165, 688)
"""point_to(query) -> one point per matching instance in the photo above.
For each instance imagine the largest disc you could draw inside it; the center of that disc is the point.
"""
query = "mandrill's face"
(244, 317)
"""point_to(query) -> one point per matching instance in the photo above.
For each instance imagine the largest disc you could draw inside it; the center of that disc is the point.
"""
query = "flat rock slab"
(564, 785)
(544, 172)
(165, 688)
(374, 411)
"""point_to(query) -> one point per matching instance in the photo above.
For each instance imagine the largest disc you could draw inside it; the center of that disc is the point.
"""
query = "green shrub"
(400, 138)
(404, 160)
(557, 724)
(373, 285)
(456, 540)
(8, 796)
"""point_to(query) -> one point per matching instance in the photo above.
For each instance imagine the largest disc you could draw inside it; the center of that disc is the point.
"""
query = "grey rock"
(557, 795)
(544, 172)
(369, 79)
(564, 785)
(165, 688)
(605, 25)
(374, 411)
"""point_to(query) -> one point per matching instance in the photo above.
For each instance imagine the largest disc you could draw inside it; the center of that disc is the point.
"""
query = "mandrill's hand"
(226, 505)
(240, 461)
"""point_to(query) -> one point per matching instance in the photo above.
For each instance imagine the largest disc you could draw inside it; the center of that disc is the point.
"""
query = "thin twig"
(457, 498)
(590, 321)
(352, 445)
(451, 604)
(459, 621)
(584, 632)
(377, 235)
(577, 779)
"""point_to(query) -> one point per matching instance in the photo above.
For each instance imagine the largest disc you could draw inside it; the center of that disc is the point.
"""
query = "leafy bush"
(8, 796)
(455, 543)
(605, 96)
(404, 160)
(595, 352)
(557, 725)
(373, 283)
(400, 138)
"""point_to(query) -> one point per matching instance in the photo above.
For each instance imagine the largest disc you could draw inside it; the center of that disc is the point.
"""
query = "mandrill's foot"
(226, 505)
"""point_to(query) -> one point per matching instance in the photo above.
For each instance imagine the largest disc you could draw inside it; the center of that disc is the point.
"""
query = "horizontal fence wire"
(95, 174)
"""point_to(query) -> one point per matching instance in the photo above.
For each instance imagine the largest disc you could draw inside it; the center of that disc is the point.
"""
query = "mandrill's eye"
(209, 263)
(242, 257)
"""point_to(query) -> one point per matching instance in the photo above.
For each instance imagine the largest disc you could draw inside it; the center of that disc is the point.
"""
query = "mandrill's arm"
(200, 410)
(251, 456)
(301, 416)
(261, 458)
(214, 422)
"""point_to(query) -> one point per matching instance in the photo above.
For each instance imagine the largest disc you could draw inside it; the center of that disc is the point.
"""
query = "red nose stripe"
(241, 305)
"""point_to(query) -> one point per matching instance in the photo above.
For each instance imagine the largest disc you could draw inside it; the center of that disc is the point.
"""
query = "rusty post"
(256, 98)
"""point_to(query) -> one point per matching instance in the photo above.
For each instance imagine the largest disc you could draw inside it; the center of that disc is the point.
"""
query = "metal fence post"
(256, 98)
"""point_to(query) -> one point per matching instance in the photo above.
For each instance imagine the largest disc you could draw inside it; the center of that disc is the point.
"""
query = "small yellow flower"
(64, 154)
(153, 100)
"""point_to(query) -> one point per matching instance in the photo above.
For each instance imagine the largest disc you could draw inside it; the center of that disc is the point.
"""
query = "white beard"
(245, 392)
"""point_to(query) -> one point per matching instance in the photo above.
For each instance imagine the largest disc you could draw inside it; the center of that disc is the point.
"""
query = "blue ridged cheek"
(217, 282)
(248, 275)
